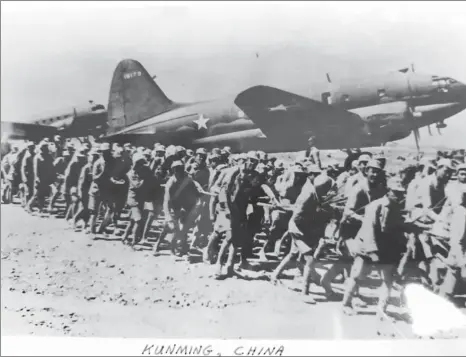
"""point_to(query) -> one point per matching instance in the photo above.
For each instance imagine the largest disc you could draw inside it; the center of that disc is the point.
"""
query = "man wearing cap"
(360, 175)
(342, 179)
(231, 217)
(306, 227)
(171, 155)
(128, 148)
(117, 188)
(202, 175)
(454, 188)
(72, 173)
(275, 168)
(59, 144)
(139, 177)
(44, 175)
(432, 200)
(60, 163)
(10, 173)
(225, 154)
(83, 188)
(256, 212)
(216, 181)
(27, 172)
(381, 240)
(179, 205)
(368, 189)
(158, 157)
(155, 192)
(313, 172)
(312, 153)
(456, 260)
(218, 172)
(98, 191)
(288, 192)
(425, 168)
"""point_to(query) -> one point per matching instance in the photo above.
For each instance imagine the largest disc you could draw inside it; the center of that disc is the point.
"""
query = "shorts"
(136, 213)
(233, 230)
(306, 244)
(42, 190)
(94, 202)
(149, 206)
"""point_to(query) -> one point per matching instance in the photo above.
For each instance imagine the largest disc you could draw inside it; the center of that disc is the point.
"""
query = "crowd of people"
(217, 202)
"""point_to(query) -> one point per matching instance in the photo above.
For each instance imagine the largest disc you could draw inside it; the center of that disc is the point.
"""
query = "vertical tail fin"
(134, 96)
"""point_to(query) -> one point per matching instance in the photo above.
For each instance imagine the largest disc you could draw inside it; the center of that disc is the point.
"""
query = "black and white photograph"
(233, 170)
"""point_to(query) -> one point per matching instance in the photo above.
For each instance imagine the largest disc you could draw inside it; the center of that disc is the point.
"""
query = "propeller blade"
(430, 131)
(416, 138)
(439, 131)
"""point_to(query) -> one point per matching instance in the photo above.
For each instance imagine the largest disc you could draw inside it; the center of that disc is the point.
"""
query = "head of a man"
(461, 173)
(251, 161)
(373, 171)
(201, 156)
(362, 163)
(444, 170)
(323, 185)
(396, 191)
(178, 169)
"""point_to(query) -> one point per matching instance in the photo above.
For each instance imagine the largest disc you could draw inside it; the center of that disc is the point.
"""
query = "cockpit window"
(98, 107)
(441, 83)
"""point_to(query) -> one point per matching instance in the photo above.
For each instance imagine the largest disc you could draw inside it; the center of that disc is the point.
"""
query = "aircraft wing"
(281, 114)
(27, 131)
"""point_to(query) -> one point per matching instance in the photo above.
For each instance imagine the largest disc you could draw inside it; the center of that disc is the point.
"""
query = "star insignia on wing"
(201, 122)
(280, 107)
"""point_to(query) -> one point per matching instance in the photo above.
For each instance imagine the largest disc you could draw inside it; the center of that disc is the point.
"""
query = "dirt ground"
(57, 282)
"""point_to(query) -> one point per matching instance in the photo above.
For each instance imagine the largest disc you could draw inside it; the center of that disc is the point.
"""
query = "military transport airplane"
(76, 122)
(350, 114)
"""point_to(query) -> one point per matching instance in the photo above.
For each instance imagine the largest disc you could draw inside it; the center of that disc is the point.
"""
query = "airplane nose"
(460, 91)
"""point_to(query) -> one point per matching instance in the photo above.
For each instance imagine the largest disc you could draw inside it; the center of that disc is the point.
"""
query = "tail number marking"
(132, 75)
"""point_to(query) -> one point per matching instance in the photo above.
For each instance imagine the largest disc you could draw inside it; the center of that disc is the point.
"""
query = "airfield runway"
(57, 282)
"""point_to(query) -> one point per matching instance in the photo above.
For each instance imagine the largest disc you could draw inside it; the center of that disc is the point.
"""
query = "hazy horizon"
(56, 56)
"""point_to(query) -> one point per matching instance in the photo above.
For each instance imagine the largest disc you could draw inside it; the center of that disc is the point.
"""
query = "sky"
(58, 55)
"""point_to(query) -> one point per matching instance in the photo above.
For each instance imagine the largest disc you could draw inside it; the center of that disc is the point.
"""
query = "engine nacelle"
(383, 112)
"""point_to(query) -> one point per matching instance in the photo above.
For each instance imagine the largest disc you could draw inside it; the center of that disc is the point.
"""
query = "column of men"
(380, 219)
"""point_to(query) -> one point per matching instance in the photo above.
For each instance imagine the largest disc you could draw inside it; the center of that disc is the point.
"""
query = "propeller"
(430, 131)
